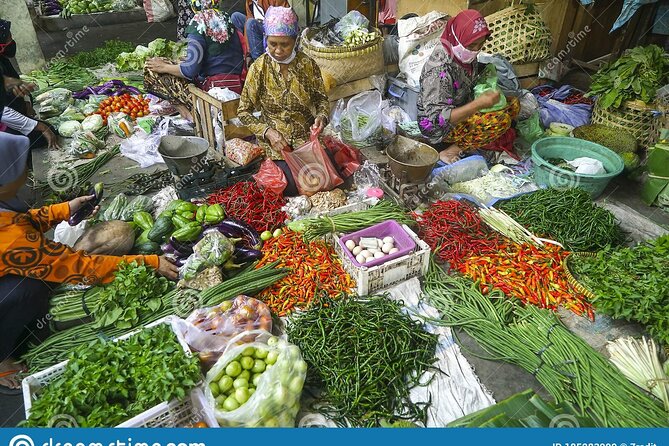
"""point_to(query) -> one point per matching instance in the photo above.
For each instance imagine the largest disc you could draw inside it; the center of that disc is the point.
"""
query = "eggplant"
(87, 208)
(167, 248)
(181, 261)
(133, 90)
(246, 255)
(182, 249)
(239, 229)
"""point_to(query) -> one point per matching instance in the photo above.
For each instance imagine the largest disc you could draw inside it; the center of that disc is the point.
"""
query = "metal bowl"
(411, 161)
(183, 155)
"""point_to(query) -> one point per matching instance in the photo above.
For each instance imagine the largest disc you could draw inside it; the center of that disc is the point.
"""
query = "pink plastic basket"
(389, 228)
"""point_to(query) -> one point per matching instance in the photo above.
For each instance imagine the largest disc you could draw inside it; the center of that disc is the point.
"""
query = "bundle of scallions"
(535, 339)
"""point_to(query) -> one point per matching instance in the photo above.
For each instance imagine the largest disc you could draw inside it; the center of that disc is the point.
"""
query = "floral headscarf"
(467, 27)
(280, 21)
(209, 21)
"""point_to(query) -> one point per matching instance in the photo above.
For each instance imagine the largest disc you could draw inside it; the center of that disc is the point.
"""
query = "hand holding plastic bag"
(488, 82)
(311, 168)
(270, 396)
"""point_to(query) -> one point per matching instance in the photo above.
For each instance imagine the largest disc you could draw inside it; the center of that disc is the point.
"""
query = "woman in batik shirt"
(285, 86)
(447, 111)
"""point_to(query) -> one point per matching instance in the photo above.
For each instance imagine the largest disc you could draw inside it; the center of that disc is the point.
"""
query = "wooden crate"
(207, 110)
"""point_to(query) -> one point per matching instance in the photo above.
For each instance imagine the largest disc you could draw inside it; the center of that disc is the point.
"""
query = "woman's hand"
(488, 99)
(157, 65)
(319, 124)
(78, 202)
(49, 135)
(276, 140)
(167, 269)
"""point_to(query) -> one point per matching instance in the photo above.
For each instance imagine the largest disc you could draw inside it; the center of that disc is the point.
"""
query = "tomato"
(233, 369)
(247, 362)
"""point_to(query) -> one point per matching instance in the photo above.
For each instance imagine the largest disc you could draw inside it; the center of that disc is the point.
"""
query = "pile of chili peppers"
(533, 275)
(575, 96)
(454, 231)
(247, 202)
(315, 270)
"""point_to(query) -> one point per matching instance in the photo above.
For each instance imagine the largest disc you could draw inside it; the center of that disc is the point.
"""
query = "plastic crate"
(33, 383)
(177, 413)
(362, 205)
(369, 280)
(391, 228)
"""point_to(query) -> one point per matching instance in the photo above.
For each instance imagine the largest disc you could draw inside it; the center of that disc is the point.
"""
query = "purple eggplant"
(167, 248)
(246, 255)
(181, 261)
(88, 207)
(182, 249)
(233, 228)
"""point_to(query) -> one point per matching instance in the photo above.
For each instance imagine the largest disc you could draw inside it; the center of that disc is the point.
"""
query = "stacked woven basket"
(634, 116)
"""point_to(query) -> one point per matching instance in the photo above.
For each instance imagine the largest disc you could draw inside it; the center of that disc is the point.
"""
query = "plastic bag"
(488, 82)
(242, 152)
(347, 158)
(158, 10)
(392, 116)
(587, 166)
(123, 5)
(275, 401)
(208, 330)
(465, 169)
(68, 235)
(85, 145)
(311, 168)
(364, 112)
(352, 21)
(337, 113)
(223, 94)
(417, 38)
(140, 203)
(214, 249)
(552, 110)
(367, 177)
(271, 177)
(530, 129)
(120, 124)
(115, 209)
(528, 105)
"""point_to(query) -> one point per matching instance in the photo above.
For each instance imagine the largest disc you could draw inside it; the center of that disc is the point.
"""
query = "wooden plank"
(529, 69)
(350, 89)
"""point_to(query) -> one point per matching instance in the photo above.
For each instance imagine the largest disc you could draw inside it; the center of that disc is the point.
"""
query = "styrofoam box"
(34, 382)
(371, 279)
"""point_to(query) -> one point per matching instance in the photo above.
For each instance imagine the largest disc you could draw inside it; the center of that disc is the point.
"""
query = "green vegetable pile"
(133, 61)
(567, 216)
(630, 283)
(106, 383)
(635, 76)
(366, 355)
(535, 339)
(136, 290)
(61, 74)
(101, 55)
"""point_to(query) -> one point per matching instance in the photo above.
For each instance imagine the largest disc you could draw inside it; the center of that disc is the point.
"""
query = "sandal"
(4, 390)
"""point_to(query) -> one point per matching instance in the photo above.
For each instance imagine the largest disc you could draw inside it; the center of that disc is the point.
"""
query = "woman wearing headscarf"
(285, 86)
(215, 58)
(447, 110)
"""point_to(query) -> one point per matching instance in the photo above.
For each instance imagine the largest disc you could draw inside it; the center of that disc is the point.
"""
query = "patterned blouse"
(444, 85)
(287, 104)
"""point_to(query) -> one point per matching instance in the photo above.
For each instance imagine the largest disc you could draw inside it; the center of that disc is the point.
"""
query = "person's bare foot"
(10, 381)
(450, 155)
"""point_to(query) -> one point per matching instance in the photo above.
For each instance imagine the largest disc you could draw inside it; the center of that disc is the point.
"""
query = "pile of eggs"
(371, 248)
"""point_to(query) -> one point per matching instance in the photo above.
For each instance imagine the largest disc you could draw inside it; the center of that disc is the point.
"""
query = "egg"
(393, 251)
(386, 248)
(370, 259)
(388, 241)
(379, 255)
(357, 250)
(373, 250)
(379, 242)
(360, 258)
(350, 244)
(366, 254)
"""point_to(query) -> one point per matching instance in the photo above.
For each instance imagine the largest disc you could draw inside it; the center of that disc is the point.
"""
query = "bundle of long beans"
(367, 355)
(57, 347)
(536, 340)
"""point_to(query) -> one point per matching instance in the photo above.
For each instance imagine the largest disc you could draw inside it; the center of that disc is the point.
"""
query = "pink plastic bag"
(347, 158)
(311, 168)
(271, 177)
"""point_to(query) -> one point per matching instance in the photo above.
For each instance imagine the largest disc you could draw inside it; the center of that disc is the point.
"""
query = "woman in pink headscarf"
(447, 110)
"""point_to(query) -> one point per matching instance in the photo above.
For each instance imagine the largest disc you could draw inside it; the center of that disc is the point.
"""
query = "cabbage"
(142, 52)
(93, 123)
(89, 109)
(69, 128)
(72, 114)
(158, 47)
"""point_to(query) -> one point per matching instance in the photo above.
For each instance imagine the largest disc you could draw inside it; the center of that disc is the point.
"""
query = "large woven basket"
(634, 116)
(346, 64)
(518, 35)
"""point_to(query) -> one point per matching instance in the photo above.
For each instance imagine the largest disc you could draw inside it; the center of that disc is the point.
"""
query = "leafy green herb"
(61, 74)
(631, 284)
(102, 55)
(636, 75)
(106, 383)
(135, 290)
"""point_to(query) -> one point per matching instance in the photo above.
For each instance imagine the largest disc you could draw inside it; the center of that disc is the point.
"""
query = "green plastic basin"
(546, 174)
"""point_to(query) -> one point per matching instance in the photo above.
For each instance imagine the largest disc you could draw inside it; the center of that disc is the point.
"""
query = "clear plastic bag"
(337, 113)
(364, 112)
(214, 249)
(242, 152)
(352, 21)
(466, 169)
(311, 168)
(392, 116)
(209, 330)
(368, 176)
(271, 177)
(275, 401)
(114, 211)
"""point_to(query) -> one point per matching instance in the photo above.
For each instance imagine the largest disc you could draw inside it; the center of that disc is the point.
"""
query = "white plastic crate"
(353, 207)
(33, 383)
(183, 413)
(369, 280)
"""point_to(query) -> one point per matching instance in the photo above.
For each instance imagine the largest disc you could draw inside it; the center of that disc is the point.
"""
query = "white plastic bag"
(68, 235)
(143, 148)
(588, 166)
(352, 21)
(417, 38)
(276, 399)
(364, 112)
(158, 10)
(392, 116)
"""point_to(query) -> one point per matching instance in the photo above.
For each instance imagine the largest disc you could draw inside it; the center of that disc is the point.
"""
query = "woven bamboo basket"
(518, 35)
(578, 286)
(346, 64)
(634, 116)
(662, 122)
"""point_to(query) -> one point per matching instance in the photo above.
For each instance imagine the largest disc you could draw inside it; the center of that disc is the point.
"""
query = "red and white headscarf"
(467, 27)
